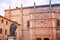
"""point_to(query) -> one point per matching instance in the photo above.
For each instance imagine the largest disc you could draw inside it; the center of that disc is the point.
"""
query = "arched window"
(0, 30)
(5, 32)
(2, 21)
(28, 24)
(6, 22)
(46, 38)
(58, 22)
(38, 38)
(0, 39)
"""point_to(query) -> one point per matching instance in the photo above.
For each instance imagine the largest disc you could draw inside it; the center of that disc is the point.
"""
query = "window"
(0, 39)
(2, 21)
(5, 32)
(28, 24)
(6, 22)
(46, 38)
(58, 22)
(1, 30)
(38, 38)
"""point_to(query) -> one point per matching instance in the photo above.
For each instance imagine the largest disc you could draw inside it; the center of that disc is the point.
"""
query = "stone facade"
(42, 23)
(43, 26)
(5, 27)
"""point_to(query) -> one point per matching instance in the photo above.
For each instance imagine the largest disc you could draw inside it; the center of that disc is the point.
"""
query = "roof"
(9, 20)
(53, 5)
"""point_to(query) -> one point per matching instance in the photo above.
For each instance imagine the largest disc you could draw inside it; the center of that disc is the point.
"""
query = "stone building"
(35, 24)
(5, 27)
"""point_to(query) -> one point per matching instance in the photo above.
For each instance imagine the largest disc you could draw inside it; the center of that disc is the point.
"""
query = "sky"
(4, 4)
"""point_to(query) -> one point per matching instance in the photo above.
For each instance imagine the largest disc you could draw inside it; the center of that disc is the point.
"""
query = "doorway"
(58, 38)
(38, 38)
(46, 38)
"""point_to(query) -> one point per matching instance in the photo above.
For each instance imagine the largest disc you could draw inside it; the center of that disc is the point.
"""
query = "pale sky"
(4, 4)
